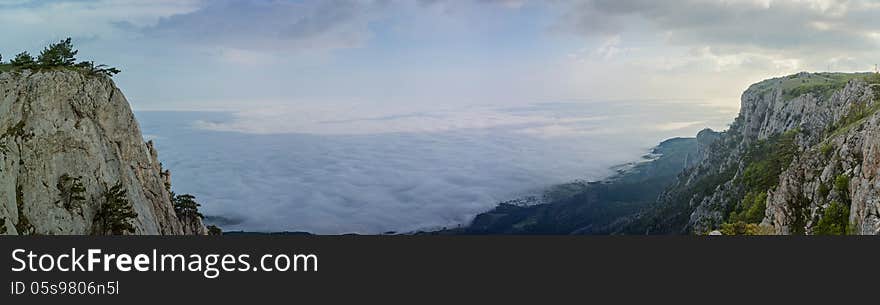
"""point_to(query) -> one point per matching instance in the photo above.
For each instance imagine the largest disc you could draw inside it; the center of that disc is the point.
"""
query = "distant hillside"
(802, 157)
(591, 207)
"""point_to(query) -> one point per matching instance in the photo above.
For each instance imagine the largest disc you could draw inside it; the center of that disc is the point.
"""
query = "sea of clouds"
(365, 169)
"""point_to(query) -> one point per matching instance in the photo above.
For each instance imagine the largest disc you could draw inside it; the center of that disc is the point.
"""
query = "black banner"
(450, 269)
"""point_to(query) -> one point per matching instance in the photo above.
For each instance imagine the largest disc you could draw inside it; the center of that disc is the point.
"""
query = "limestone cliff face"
(829, 129)
(59, 125)
(811, 184)
(838, 137)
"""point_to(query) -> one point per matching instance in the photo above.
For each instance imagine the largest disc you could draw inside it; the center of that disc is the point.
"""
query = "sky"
(413, 55)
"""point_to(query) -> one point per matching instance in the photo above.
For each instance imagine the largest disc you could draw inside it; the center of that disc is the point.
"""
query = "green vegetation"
(823, 190)
(594, 207)
(857, 114)
(116, 213)
(873, 78)
(800, 213)
(672, 215)
(767, 159)
(2, 225)
(60, 55)
(743, 228)
(23, 60)
(765, 162)
(24, 225)
(72, 191)
(706, 186)
(841, 186)
(14, 131)
(17, 131)
(751, 209)
(92, 69)
(834, 221)
(827, 149)
(185, 205)
(835, 217)
(821, 85)
(214, 230)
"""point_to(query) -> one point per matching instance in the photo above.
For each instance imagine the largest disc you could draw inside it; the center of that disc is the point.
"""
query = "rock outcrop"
(66, 138)
(800, 144)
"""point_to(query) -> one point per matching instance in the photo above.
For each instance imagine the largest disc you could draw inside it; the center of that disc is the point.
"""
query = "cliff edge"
(802, 157)
(66, 139)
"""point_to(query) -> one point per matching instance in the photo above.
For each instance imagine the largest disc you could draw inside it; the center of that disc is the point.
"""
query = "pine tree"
(116, 213)
(72, 191)
(185, 205)
(214, 230)
(23, 59)
(94, 69)
(58, 54)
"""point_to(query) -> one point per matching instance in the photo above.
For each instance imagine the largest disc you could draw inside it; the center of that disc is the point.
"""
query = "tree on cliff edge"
(185, 205)
(58, 54)
(61, 54)
(23, 59)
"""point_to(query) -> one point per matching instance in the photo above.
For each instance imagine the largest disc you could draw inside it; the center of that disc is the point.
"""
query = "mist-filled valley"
(373, 171)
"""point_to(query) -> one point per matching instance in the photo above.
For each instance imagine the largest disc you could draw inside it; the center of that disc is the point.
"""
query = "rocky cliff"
(802, 157)
(66, 139)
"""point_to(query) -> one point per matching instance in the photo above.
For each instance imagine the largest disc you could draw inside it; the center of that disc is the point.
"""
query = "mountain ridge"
(802, 157)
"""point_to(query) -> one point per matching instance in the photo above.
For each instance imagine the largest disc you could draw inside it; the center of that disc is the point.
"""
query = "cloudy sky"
(190, 54)
(375, 115)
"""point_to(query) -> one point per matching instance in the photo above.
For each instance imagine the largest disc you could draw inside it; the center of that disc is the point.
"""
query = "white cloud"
(809, 32)
(407, 179)
(368, 119)
(610, 48)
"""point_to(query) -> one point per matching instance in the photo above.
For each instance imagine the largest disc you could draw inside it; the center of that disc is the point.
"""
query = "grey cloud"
(730, 26)
(272, 25)
(503, 3)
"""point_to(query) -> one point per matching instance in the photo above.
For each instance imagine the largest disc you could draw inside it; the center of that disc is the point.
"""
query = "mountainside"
(72, 157)
(802, 157)
(591, 207)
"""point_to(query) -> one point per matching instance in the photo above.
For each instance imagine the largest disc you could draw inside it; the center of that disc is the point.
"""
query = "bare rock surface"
(62, 123)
